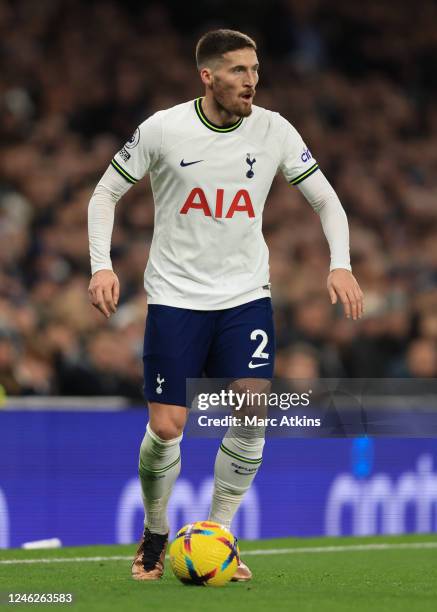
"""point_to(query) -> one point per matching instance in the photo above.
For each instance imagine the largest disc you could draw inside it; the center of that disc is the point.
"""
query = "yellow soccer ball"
(204, 553)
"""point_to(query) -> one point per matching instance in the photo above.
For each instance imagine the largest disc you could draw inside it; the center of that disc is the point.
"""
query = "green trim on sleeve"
(304, 175)
(123, 172)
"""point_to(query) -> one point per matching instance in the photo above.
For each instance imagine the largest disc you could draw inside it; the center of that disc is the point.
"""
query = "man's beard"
(239, 111)
(245, 112)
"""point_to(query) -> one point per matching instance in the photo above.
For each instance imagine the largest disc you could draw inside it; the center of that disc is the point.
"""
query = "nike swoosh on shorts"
(256, 365)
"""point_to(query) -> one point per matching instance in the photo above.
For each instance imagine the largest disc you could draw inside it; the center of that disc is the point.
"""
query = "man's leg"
(243, 348)
(239, 456)
(160, 462)
(176, 341)
(238, 460)
(236, 465)
(159, 467)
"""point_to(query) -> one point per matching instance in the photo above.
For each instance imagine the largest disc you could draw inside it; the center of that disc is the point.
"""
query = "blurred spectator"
(301, 361)
(419, 361)
(8, 359)
(108, 368)
(364, 103)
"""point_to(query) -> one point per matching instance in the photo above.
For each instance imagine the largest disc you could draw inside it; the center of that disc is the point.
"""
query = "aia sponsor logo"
(197, 200)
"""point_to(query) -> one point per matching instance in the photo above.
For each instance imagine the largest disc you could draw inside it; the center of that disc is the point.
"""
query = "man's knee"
(167, 421)
(166, 430)
(257, 391)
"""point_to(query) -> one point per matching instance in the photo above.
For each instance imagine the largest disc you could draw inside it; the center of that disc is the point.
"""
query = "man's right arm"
(128, 166)
(104, 288)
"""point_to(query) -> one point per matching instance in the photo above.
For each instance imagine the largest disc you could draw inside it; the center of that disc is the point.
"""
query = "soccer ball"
(204, 553)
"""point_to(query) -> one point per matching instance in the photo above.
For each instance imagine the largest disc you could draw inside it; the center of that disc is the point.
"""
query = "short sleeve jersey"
(210, 185)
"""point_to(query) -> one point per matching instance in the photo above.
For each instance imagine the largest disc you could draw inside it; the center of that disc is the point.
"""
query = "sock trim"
(161, 441)
(143, 469)
(227, 451)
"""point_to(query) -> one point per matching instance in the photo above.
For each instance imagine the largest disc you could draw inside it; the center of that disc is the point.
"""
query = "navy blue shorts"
(180, 343)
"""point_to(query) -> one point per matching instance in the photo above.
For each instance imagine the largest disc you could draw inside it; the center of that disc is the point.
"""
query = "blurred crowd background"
(356, 79)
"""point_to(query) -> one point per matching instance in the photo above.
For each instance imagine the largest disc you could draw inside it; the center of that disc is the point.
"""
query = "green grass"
(391, 580)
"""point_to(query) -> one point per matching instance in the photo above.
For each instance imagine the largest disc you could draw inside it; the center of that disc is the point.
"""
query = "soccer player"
(211, 163)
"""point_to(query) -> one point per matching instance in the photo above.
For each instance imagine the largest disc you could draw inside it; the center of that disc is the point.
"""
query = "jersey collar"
(212, 126)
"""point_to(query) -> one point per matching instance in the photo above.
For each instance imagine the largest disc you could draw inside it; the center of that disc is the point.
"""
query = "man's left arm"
(341, 283)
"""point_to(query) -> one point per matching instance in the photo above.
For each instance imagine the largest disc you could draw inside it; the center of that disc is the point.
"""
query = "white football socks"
(236, 465)
(159, 467)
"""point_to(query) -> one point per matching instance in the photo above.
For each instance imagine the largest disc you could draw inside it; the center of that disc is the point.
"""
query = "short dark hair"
(215, 43)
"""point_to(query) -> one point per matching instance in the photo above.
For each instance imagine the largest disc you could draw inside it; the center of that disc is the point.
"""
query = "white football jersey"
(210, 184)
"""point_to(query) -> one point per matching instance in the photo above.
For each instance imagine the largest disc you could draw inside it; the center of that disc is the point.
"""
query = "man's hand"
(104, 291)
(343, 285)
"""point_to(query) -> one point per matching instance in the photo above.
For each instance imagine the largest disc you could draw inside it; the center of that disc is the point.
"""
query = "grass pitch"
(375, 574)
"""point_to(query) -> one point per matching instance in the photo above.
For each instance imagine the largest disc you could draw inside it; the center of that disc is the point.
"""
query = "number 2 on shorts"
(259, 351)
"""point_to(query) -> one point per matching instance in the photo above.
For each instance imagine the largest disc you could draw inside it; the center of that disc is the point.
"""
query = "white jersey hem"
(250, 296)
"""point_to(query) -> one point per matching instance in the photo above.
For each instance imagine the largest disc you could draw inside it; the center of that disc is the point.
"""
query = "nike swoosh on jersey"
(257, 365)
(183, 163)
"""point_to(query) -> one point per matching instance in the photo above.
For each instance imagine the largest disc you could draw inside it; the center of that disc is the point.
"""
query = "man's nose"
(250, 79)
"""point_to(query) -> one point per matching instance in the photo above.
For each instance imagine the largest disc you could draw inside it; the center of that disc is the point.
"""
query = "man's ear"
(206, 76)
